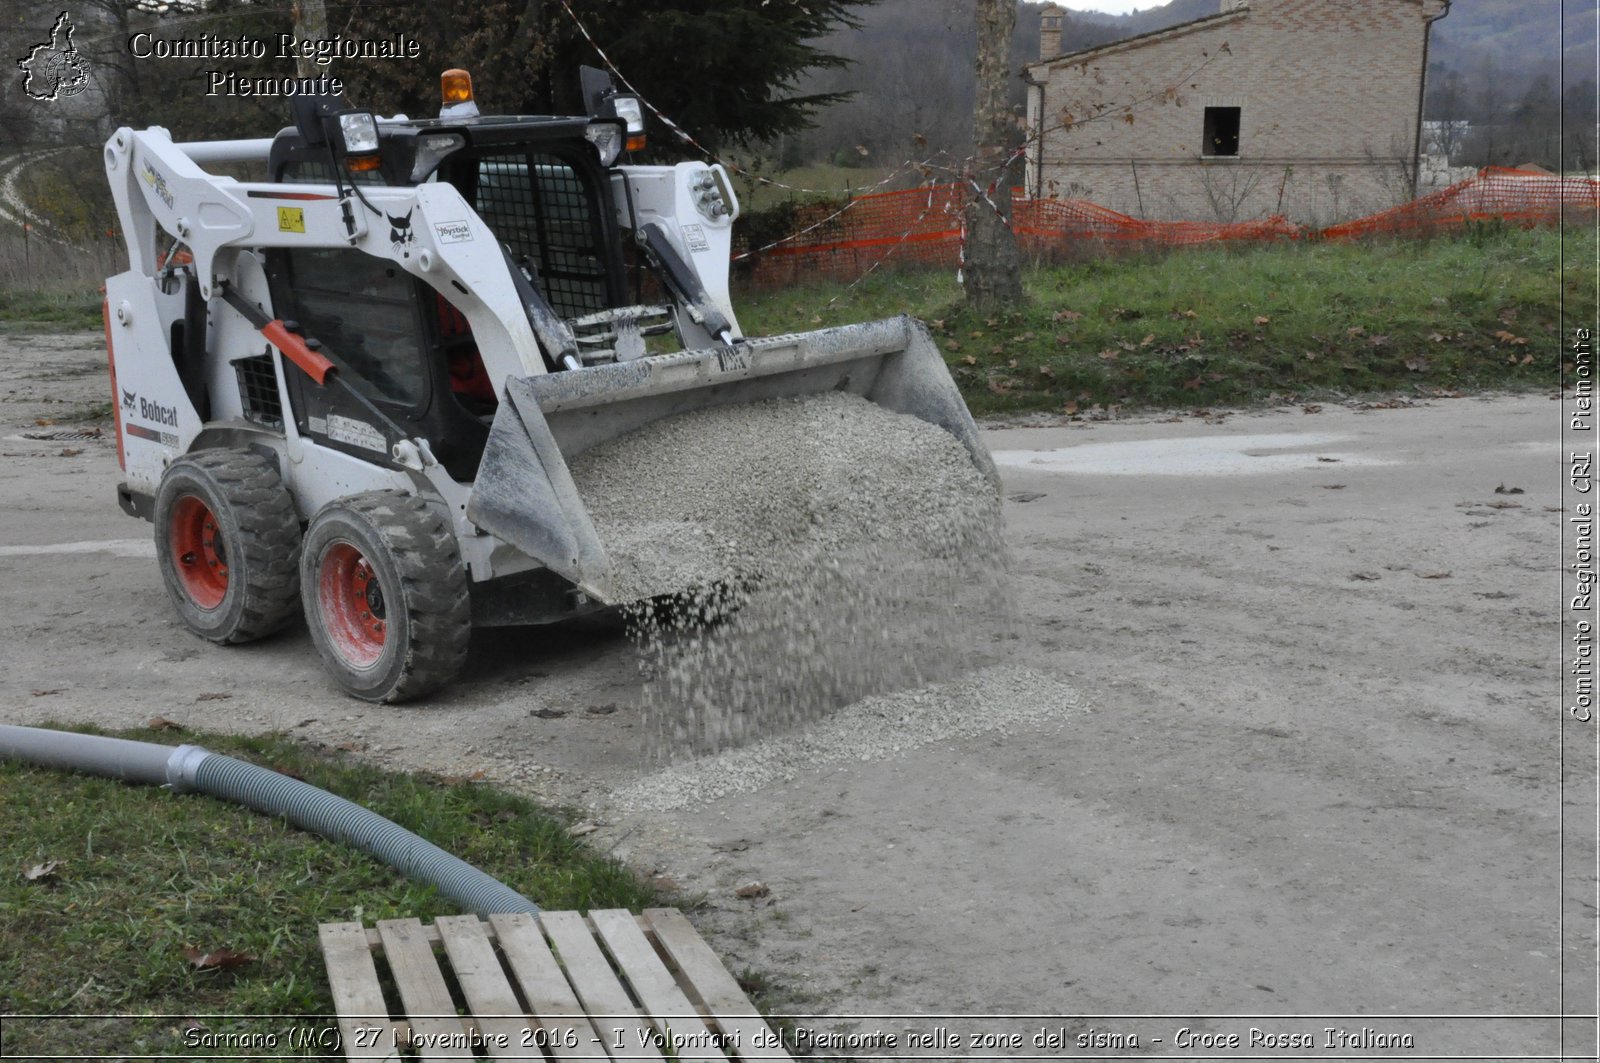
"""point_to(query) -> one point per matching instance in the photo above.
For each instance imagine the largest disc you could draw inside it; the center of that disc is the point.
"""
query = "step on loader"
(351, 389)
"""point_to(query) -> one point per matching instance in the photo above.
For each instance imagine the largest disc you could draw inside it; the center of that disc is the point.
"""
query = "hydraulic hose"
(191, 768)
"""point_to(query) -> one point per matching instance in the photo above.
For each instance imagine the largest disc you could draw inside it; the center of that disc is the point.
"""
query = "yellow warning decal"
(291, 220)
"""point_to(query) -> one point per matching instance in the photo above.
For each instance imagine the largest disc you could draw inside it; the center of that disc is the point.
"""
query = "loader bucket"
(525, 495)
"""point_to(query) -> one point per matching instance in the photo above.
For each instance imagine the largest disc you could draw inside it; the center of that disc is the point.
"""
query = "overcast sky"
(1114, 7)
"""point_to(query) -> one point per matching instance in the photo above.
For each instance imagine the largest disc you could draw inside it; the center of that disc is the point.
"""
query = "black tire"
(385, 595)
(228, 544)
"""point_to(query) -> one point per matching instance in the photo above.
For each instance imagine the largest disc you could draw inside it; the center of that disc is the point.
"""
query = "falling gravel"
(790, 557)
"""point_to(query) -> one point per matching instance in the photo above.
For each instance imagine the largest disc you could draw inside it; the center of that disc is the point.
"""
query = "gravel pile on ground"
(830, 549)
(876, 728)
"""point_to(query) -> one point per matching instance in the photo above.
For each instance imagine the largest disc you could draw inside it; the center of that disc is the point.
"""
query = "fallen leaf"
(1504, 505)
(1365, 575)
(1178, 314)
(41, 871)
(1009, 365)
(1070, 408)
(1312, 408)
(47, 692)
(1066, 315)
(1311, 356)
(1045, 370)
(351, 747)
(548, 714)
(1527, 359)
(1125, 345)
(1417, 365)
(71, 452)
(998, 387)
(1355, 330)
(1192, 385)
(1509, 337)
(1504, 490)
(216, 959)
(602, 710)
(1109, 355)
(970, 360)
(213, 696)
(161, 723)
(1148, 340)
(1329, 460)
(952, 345)
(1333, 487)
(752, 890)
(1025, 496)
(1378, 341)
(1263, 319)
(1436, 337)
(976, 334)
(44, 422)
(1508, 315)
(578, 830)
(1433, 575)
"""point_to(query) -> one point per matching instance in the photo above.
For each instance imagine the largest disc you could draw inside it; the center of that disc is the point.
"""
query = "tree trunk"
(310, 23)
(992, 275)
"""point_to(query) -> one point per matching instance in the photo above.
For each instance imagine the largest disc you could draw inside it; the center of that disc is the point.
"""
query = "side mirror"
(597, 87)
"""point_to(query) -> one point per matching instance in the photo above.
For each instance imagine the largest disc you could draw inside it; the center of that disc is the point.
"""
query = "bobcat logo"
(400, 234)
(128, 398)
(53, 69)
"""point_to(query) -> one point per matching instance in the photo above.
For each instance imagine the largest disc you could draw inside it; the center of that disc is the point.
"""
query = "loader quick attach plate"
(524, 493)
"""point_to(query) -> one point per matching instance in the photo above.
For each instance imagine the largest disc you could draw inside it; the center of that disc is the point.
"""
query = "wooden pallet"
(556, 986)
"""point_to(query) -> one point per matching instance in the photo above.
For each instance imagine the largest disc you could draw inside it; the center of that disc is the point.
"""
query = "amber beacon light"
(455, 92)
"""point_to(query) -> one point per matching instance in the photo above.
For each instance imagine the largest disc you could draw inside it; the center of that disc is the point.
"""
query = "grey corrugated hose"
(187, 768)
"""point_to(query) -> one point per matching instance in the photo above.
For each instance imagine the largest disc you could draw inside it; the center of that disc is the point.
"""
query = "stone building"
(1306, 108)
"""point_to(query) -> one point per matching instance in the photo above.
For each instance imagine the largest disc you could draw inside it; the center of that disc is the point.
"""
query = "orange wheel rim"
(354, 612)
(199, 552)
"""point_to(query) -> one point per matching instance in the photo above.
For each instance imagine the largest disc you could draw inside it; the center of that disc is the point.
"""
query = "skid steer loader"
(352, 387)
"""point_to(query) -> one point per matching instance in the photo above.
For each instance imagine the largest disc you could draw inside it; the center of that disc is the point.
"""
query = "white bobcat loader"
(353, 387)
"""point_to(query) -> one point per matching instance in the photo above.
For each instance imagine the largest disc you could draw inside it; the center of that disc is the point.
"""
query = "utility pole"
(993, 271)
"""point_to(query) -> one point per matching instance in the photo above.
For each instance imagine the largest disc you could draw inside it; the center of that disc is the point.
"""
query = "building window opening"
(1222, 131)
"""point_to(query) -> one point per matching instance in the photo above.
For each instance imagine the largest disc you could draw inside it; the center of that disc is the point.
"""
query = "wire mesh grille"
(549, 222)
(258, 390)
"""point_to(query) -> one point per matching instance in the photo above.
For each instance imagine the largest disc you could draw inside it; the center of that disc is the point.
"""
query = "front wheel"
(228, 543)
(385, 596)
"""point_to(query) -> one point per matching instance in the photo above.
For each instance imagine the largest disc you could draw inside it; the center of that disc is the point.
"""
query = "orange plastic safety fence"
(923, 225)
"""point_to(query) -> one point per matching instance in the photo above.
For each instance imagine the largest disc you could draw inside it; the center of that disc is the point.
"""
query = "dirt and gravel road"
(1278, 735)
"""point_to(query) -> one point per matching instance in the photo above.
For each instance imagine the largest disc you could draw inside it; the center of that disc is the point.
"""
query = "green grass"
(145, 873)
(64, 308)
(1195, 327)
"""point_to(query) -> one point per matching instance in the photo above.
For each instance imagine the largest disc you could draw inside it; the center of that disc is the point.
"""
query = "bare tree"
(993, 271)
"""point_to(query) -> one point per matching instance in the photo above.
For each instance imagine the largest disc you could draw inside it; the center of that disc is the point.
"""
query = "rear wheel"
(228, 543)
(385, 596)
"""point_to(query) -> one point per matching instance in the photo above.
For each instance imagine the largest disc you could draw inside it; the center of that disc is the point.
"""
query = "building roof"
(1143, 38)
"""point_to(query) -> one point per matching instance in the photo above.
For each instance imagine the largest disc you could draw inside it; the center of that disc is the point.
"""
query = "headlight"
(360, 132)
(627, 108)
(607, 140)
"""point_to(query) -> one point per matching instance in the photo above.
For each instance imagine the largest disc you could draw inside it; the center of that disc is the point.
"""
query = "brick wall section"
(1327, 92)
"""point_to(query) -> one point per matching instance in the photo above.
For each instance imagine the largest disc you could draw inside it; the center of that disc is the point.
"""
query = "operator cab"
(541, 183)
